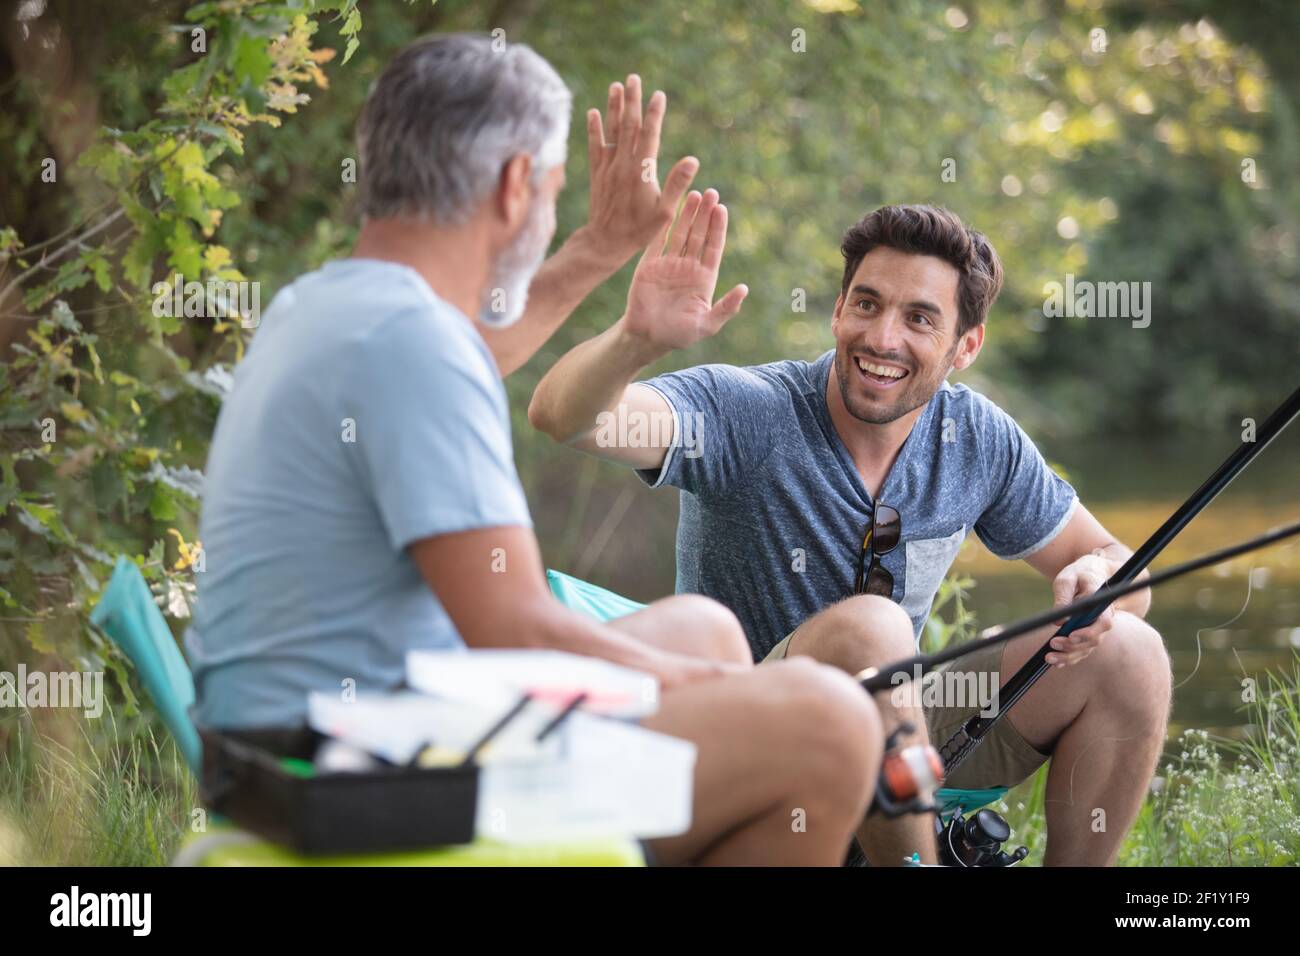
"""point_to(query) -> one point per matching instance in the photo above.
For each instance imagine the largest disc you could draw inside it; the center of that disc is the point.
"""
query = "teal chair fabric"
(127, 613)
(588, 598)
(602, 605)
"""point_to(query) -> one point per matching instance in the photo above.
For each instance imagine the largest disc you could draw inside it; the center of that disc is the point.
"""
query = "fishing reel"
(977, 841)
(910, 777)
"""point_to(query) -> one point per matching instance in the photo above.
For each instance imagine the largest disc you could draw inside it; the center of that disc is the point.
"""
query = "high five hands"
(670, 304)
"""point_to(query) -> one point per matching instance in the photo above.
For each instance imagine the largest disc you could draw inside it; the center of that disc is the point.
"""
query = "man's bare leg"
(689, 624)
(787, 765)
(857, 633)
(1104, 721)
(804, 743)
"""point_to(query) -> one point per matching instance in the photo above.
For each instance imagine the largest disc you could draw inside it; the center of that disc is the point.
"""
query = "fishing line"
(1250, 586)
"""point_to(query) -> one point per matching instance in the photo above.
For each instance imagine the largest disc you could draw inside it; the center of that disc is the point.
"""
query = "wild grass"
(76, 792)
(1214, 801)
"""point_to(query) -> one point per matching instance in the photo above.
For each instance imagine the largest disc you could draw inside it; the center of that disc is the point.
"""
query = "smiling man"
(824, 502)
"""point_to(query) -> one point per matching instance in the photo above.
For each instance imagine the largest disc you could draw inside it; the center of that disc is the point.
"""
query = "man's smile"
(881, 375)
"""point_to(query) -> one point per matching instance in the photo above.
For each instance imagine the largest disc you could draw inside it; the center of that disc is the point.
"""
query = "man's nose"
(884, 336)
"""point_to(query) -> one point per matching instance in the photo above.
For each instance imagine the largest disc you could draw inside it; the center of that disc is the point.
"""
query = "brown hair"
(931, 231)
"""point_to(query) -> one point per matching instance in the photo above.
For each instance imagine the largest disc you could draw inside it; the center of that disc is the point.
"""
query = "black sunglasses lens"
(887, 527)
(879, 582)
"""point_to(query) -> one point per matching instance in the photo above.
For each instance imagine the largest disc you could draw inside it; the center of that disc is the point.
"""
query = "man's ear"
(971, 343)
(839, 304)
(515, 192)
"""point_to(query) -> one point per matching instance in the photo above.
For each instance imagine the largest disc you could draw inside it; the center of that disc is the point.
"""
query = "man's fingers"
(678, 181)
(677, 244)
(1084, 637)
(1070, 653)
(726, 308)
(631, 125)
(595, 142)
(614, 112)
(656, 247)
(715, 239)
(1063, 587)
(648, 142)
(700, 227)
(1067, 660)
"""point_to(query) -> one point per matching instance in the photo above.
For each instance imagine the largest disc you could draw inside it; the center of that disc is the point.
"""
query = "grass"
(76, 792)
(1215, 801)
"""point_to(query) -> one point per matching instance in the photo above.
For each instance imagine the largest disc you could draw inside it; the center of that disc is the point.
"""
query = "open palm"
(670, 303)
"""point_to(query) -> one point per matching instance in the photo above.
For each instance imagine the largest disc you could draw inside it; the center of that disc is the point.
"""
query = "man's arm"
(669, 306)
(493, 586)
(625, 208)
(1079, 560)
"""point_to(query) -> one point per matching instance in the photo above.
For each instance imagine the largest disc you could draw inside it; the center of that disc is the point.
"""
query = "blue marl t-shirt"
(773, 510)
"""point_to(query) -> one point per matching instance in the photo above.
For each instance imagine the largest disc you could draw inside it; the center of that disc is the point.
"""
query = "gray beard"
(506, 294)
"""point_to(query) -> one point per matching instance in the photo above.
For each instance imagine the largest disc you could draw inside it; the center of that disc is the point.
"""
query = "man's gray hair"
(446, 115)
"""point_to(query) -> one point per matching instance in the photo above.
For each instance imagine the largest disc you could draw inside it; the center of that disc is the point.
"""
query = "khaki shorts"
(1003, 758)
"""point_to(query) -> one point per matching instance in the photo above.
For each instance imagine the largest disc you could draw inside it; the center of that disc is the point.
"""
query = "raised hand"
(670, 304)
(626, 206)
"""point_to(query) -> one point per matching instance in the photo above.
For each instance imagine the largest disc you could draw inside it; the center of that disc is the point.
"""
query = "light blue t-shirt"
(367, 414)
(773, 510)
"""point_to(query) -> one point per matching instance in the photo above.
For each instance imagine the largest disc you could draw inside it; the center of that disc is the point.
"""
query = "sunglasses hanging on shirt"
(880, 538)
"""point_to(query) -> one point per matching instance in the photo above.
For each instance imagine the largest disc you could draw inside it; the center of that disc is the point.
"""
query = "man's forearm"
(589, 380)
(545, 624)
(559, 287)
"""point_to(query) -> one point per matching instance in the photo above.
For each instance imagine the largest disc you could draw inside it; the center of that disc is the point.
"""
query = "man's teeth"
(884, 370)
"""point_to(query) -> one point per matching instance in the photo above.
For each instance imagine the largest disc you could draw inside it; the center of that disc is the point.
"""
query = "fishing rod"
(967, 737)
(891, 675)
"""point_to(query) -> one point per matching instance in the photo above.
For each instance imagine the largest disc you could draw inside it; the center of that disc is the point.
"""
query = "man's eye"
(920, 317)
(866, 305)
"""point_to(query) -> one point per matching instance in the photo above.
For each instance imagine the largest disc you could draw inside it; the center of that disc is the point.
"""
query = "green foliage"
(950, 620)
(1228, 802)
(104, 414)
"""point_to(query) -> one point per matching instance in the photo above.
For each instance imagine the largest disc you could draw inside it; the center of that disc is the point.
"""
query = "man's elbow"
(540, 417)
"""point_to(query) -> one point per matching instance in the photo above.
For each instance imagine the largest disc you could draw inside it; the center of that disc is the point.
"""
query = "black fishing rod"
(915, 667)
(968, 736)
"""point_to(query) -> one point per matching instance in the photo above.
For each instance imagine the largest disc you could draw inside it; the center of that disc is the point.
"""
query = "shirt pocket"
(928, 560)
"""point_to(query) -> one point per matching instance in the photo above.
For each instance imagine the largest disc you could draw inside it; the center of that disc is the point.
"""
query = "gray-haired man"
(364, 499)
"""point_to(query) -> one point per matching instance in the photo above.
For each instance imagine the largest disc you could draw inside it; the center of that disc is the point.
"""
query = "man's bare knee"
(859, 632)
(718, 628)
(1136, 671)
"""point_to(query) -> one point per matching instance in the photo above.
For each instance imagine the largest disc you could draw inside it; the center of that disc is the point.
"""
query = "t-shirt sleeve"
(1028, 503)
(723, 418)
(432, 433)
